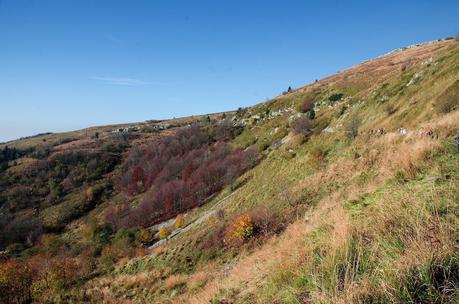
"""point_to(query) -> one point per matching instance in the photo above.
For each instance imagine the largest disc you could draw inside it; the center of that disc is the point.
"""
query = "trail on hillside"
(252, 270)
(204, 216)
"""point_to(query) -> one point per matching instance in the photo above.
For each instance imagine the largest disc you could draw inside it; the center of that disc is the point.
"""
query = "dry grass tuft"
(175, 281)
(159, 251)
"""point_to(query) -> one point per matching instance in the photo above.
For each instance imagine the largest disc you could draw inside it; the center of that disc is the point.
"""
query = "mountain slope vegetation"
(342, 191)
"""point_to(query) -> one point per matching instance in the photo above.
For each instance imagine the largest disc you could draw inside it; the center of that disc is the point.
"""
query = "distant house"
(126, 130)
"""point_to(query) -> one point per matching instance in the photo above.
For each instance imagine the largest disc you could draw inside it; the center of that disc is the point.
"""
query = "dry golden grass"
(393, 152)
(282, 255)
(122, 261)
(338, 233)
(445, 125)
(158, 251)
(286, 251)
(132, 280)
(175, 280)
(198, 280)
(376, 70)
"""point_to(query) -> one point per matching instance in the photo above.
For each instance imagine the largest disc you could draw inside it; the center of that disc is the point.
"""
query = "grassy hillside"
(342, 206)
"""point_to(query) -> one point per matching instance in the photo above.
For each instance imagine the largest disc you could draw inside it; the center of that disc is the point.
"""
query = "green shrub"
(15, 249)
(390, 109)
(106, 263)
(101, 235)
(144, 235)
(52, 244)
(125, 237)
(73, 206)
(335, 97)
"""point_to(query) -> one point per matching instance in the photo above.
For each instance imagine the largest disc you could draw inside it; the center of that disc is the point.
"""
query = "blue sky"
(66, 65)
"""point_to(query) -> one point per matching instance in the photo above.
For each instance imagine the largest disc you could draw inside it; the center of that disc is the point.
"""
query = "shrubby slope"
(344, 190)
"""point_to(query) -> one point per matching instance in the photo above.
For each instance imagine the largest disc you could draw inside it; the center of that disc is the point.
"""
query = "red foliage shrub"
(137, 180)
(224, 131)
(180, 172)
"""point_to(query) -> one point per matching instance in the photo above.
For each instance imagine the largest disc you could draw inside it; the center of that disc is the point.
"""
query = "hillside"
(342, 191)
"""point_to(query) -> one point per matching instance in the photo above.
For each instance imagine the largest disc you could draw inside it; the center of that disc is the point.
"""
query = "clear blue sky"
(66, 65)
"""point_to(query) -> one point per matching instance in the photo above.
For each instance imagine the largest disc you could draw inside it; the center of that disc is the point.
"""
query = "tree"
(137, 180)
(307, 105)
(179, 221)
(250, 158)
(15, 280)
(164, 232)
(352, 126)
(206, 121)
(54, 280)
(301, 125)
(179, 172)
(224, 131)
(240, 229)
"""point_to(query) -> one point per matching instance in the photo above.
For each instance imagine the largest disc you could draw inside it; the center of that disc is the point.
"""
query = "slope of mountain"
(344, 190)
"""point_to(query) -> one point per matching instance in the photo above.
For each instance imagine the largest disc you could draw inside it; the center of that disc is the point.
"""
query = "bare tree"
(307, 105)
(352, 126)
(302, 125)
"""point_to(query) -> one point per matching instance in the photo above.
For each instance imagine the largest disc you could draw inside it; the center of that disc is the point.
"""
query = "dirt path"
(204, 216)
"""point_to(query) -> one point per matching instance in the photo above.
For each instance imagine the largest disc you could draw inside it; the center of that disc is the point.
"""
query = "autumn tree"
(137, 180)
(179, 172)
(15, 280)
(54, 281)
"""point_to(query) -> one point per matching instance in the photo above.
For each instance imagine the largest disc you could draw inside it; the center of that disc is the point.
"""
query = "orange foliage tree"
(240, 229)
(15, 281)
